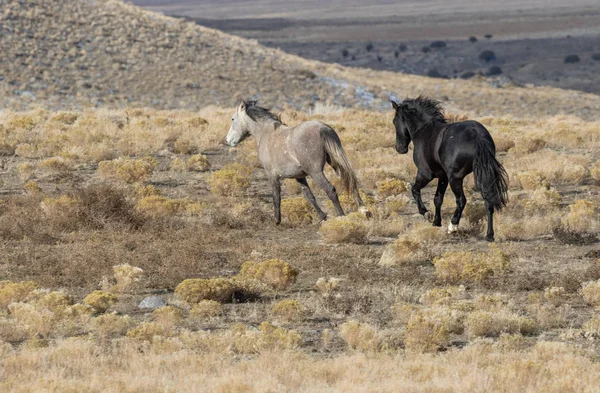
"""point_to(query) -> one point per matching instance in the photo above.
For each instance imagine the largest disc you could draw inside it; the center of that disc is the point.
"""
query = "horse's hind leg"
(322, 182)
(310, 197)
(456, 184)
(277, 199)
(421, 181)
(439, 200)
(490, 228)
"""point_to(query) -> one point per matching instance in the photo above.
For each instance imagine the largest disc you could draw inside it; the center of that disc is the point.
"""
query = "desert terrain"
(122, 191)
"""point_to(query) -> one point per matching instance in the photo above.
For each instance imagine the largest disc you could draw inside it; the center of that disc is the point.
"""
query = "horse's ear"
(252, 103)
(395, 105)
(243, 105)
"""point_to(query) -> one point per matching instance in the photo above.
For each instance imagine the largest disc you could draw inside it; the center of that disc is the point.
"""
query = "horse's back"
(458, 145)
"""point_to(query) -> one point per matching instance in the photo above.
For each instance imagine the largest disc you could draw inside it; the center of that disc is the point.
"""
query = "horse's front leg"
(276, 199)
(421, 181)
(439, 200)
(456, 184)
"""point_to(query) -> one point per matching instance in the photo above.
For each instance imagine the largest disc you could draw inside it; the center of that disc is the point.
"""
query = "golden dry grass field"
(101, 207)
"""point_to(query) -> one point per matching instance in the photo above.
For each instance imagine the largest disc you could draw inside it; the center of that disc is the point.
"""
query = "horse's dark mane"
(420, 112)
(257, 113)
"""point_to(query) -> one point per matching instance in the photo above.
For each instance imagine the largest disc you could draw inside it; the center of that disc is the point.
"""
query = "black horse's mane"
(420, 112)
(257, 113)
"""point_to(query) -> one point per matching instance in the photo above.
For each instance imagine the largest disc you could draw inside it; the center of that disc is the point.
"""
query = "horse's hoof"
(489, 239)
(452, 228)
(428, 216)
(278, 222)
(437, 224)
(366, 212)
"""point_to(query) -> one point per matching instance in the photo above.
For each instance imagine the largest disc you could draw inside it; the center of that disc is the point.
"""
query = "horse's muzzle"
(402, 149)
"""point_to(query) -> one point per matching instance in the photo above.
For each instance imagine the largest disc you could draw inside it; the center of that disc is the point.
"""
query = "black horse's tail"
(490, 176)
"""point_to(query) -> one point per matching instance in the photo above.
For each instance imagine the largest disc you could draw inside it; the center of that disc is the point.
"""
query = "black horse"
(450, 152)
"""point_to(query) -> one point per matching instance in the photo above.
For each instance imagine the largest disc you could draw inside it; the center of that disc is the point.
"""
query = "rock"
(570, 59)
(433, 73)
(493, 70)
(467, 75)
(472, 39)
(152, 303)
(487, 56)
(595, 56)
(438, 44)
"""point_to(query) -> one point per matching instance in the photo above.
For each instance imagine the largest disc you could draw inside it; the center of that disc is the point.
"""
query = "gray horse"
(294, 153)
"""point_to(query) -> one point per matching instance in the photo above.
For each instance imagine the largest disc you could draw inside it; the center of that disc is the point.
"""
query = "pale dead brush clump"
(347, 229)
(275, 273)
(100, 301)
(392, 187)
(57, 165)
(360, 336)
(128, 278)
(206, 309)
(470, 267)
(395, 204)
(556, 168)
(289, 310)
(583, 217)
(592, 327)
(168, 316)
(195, 290)
(426, 332)
(590, 291)
(149, 331)
(157, 206)
(110, 326)
(14, 292)
(196, 163)
(595, 172)
(232, 180)
(418, 244)
(532, 180)
(493, 323)
(127, 170)
(556, 296)
(443, 296)
(328, 287)
(297, 211)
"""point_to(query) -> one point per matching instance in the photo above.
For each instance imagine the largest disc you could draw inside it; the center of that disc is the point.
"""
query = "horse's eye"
(232, 119)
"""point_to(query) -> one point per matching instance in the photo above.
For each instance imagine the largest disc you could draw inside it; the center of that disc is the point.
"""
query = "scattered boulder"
(596, 56)
(472, 39)
(402, 47)
(152, 303)
(438, 44)
(487, 56)
(345, 53)
(493, 70)
(571, 59)
(396, 54)
(425, 49)
(488, 36)
(369, 47)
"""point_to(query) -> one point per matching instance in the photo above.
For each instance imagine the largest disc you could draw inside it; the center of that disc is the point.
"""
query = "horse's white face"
(239, 126)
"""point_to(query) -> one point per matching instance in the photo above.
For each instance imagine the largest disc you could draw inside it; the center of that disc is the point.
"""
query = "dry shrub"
(360, 336)
(542, 200)
(592, 327)
(109, 326)
(275, 273)
(426, 333)
(492, 324)
(197, 163)
(128, 170)
(14, 292)
(100, 301)
(511, 343)
(555, 296)
(168, 316)
(157, 206)
(595, 172)
(233, 179)
(591, 292)
(32, 188)
(396, 203)
(35, 321)
(178, 165)
(184, 146)
(297, 210)
(469, 267)
(246, 214)
(551, 317)
(128, 278)
(582, 217)
(57, 165)
(402, 311)
(194, 290)
(26, 170)
(443, 296)
(503, 143)
(392, 187)
(417, 244)
(289, 310)
(67, 118)
(532, 180)
(149, 331)
(206, 309)
(328, 287)
(528, 144)
(272, 337)
(347, 229)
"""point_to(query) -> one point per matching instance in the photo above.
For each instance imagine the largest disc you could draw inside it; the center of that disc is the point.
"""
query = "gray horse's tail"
(336, 157)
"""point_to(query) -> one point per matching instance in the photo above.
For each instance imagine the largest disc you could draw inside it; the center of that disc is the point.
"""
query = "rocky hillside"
(81, 52)
(86, 53)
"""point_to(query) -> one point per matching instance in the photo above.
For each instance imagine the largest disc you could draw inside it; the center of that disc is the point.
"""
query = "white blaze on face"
(236, 130)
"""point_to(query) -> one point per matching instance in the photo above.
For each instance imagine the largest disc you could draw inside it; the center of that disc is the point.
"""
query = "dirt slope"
(80, 53)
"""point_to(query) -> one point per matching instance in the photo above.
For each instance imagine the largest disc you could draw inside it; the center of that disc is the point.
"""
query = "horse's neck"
(261, 131)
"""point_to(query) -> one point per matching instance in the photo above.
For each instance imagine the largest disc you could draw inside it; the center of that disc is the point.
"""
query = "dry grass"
(348, 229)
(469, 267)
(232, 180)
